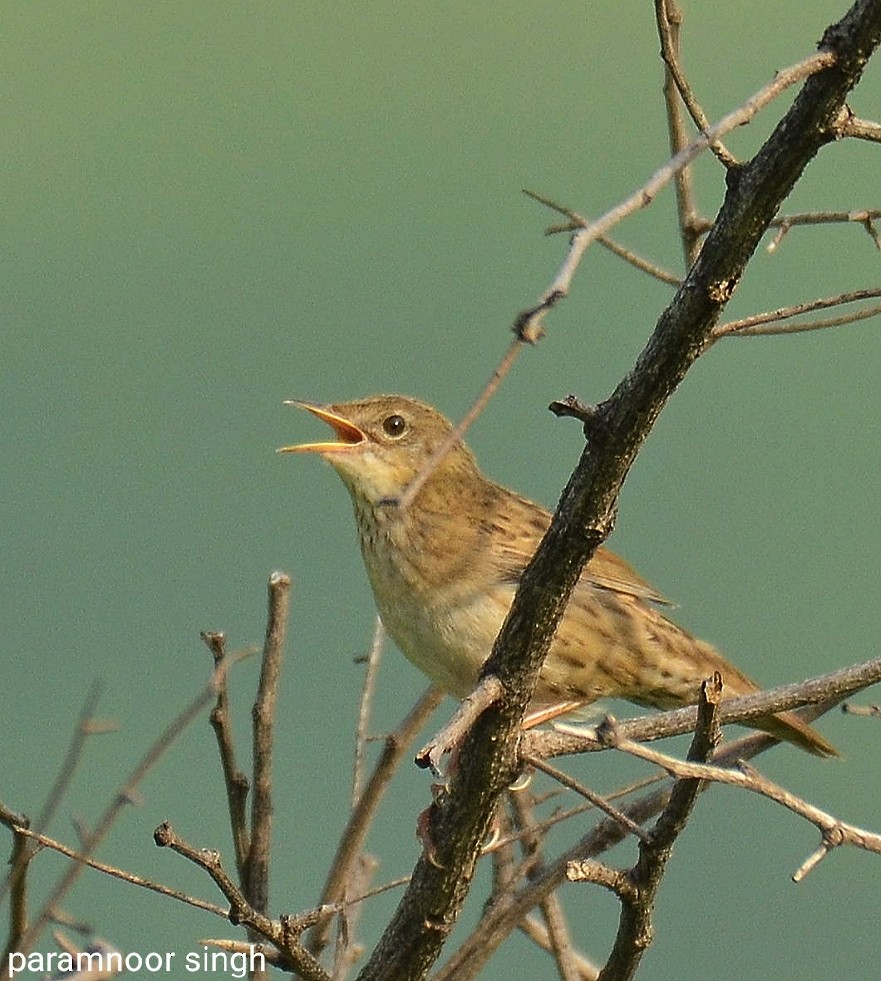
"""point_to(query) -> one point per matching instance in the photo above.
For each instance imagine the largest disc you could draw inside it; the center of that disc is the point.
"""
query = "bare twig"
(668, 17)
(86, 726)
(283, 934)
(804, 326)
(237, 784)
(859, 216)
(348, 949)
(256, 884)
(639, 262)
(579, 221)
(825, 689)
(540, 935)
(677, 91)
(488, 691)
(572, 407)
(864, 216)
(16, 880)
(123, 874)
(352, 838)
(126, 793)
(598, 801)
(560, 943)
(459, 430)
(852, 126)
(364, 709)
(635, 930)
(529, 323)
(834, 832)
(758, 324)
(22, 853)
(562, 816)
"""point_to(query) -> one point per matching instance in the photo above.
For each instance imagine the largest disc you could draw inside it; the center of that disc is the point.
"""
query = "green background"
(209, 208)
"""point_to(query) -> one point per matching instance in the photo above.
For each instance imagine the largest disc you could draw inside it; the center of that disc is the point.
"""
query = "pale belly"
(608, 645)
(447, 643)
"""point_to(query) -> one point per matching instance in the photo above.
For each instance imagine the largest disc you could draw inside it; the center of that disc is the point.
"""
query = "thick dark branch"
(458, 820)
(505, 914)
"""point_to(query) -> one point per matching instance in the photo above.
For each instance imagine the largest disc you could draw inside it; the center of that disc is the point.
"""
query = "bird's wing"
(516, 531)
(610, 571)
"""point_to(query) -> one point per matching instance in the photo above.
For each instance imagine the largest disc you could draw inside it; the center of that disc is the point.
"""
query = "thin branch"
(757, 323)
(784, 223)
(538, 933)
(638, 262)
(635, 930)
(22, 853)
(361, 818)
(560, 944)
(804, 326)
(459, 430)
(529, 323)
(85, 726)
(857, 216)
(124, 875)
(448, 740)
(833, 831)
(852, 126)
(579, 221)
(825, 690)
(863, 216)
(126, 793)
(668, 17)
(364, 708)
(566, 815)
(677, 91)
(284, 934)
(348, 950)
(16, 880)
(598, 801)
(256, 883)
(235, 781)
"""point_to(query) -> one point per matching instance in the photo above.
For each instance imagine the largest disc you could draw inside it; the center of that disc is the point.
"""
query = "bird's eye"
(394, 426)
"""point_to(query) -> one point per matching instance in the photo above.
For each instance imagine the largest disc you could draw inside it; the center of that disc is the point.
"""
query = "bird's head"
(382, 443)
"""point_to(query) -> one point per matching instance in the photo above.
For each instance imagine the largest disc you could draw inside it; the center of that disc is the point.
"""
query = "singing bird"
(444, 570)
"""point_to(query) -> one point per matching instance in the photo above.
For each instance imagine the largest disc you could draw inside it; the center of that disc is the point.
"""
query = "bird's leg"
(548, 713)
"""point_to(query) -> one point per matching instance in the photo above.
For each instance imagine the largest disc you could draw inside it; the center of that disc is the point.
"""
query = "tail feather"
(792, 729)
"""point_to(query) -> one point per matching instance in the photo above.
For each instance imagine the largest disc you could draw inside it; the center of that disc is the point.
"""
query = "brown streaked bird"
(444, 571)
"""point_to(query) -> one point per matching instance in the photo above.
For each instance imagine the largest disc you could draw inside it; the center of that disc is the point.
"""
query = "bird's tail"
(791, 728)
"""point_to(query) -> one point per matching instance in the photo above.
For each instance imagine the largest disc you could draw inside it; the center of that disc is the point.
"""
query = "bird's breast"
(434, 605)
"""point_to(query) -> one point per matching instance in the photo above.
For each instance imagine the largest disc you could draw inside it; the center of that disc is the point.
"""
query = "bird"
(444, 570)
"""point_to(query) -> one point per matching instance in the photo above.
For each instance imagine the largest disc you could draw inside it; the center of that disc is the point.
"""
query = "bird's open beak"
(349, 435)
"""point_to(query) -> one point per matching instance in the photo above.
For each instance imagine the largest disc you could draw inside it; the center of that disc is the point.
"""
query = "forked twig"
(833, 831)
(126, 793)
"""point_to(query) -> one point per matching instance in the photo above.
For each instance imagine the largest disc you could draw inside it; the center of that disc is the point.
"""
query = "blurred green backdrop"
(211, 208)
